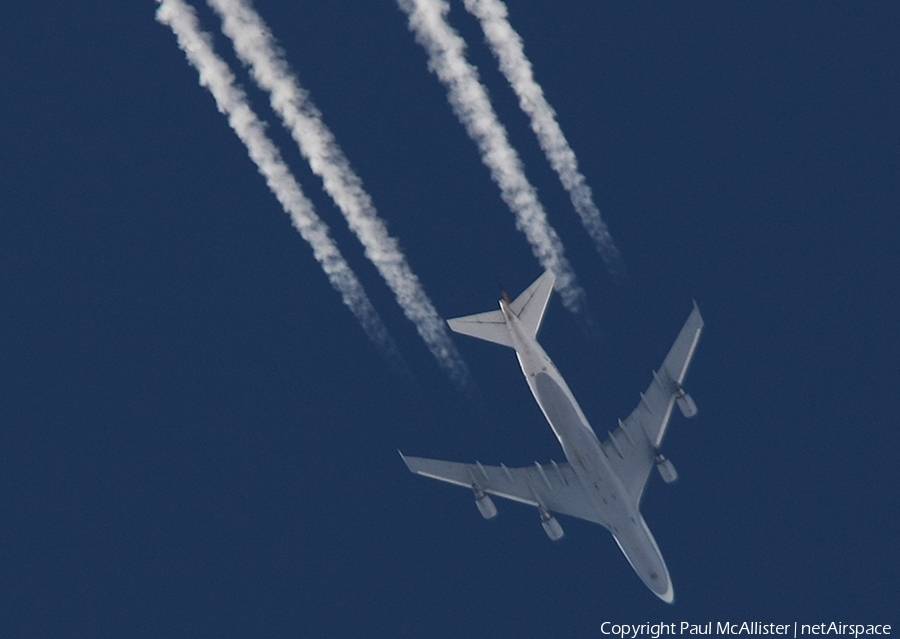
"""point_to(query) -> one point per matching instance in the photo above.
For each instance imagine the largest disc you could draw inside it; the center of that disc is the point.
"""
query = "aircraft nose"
(668, 596)
(661, 587)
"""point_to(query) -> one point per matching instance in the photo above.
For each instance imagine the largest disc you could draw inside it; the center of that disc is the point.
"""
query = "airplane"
(603, 481)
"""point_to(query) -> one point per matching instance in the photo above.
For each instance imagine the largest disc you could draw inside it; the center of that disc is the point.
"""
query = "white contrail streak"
(507, 47)
(231, 101)
(469, 99)
(256, 47)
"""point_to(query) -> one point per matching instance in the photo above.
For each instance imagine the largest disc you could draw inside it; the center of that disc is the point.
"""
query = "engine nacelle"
(685, 402)
(551, 526)
(485, 504)
(666, 468)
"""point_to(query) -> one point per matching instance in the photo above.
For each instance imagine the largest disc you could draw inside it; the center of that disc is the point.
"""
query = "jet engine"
(666, 468)
(551, 526)
(485, 504)
(685, 402)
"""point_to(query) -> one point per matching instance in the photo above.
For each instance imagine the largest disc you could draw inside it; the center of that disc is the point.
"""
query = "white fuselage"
(588, 460)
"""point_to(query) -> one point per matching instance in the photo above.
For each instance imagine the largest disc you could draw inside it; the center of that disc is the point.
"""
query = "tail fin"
(529, 307)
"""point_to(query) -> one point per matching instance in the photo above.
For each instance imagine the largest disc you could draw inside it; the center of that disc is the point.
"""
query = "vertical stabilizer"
(529, 307)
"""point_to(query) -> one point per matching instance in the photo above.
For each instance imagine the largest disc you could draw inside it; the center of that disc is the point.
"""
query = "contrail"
(231, 101)
(507, 47)
(468, 97)
(256, 47)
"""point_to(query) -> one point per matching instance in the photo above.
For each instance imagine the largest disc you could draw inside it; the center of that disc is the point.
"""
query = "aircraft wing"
(554, 486)
(632, 447)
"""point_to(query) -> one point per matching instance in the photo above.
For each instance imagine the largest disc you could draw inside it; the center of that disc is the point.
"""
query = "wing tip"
(696, 312)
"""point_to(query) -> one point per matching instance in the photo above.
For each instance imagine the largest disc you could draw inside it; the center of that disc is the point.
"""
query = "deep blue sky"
(196, 438)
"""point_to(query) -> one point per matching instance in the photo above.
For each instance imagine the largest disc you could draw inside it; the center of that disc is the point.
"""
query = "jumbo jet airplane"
(602, 481)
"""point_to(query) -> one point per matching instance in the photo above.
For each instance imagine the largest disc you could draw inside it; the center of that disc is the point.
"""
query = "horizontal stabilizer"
(490, 326)
(529, 307)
